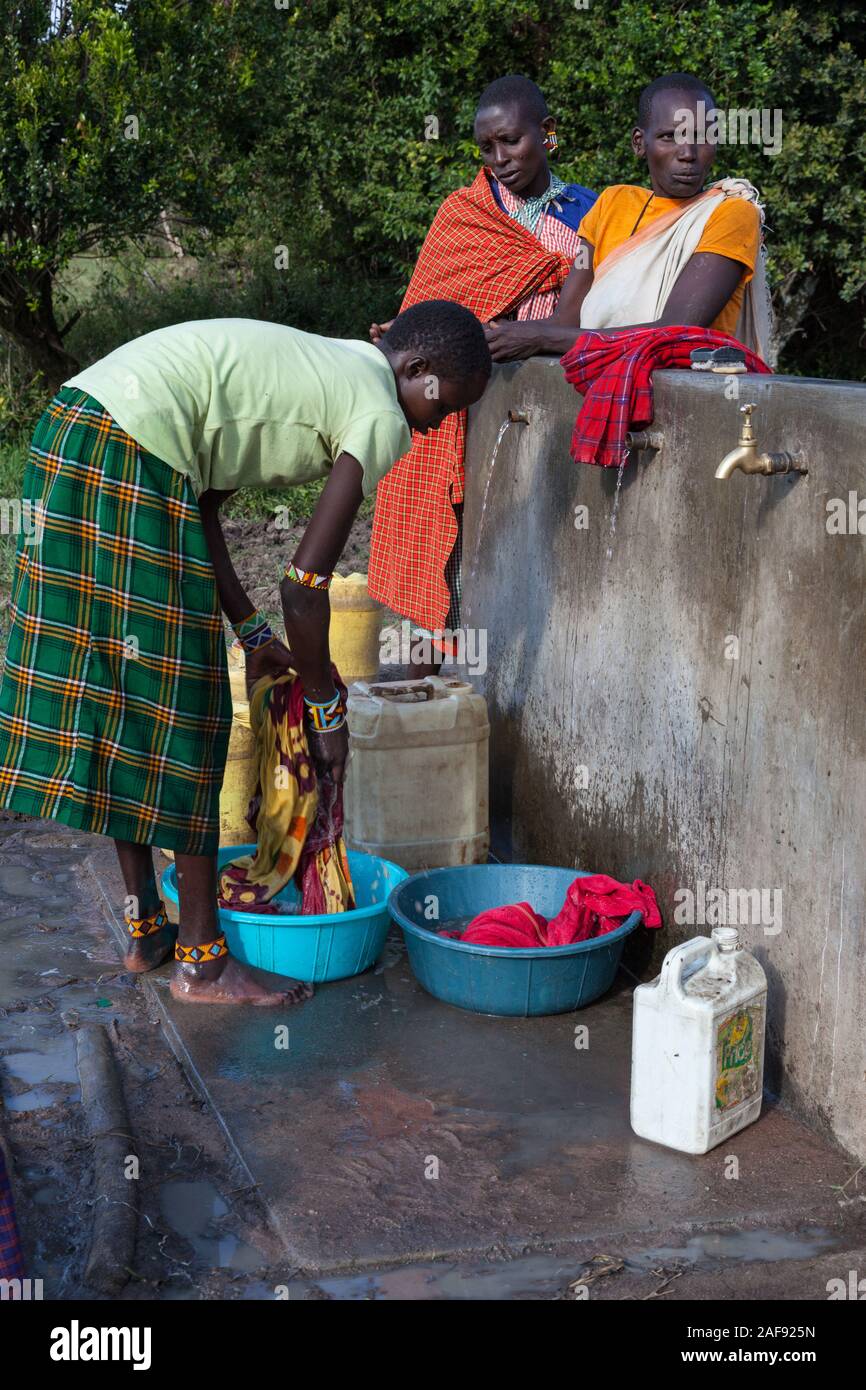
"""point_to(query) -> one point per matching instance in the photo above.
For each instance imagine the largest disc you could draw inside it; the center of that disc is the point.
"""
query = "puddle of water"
(192, 1209)
(393, 954)
(48, 1196)
(30, 1100)
(56, 1064)
(545, 1276)
(52, 1065)
(19, 882)
(532, 1277)
(740, 1245)
(258, 1289)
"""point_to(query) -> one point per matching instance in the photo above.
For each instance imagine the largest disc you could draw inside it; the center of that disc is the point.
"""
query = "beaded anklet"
(139, 927)
(198, 955)
(308, 578)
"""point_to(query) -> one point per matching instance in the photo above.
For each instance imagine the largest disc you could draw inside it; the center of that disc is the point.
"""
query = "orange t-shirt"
(733, 229)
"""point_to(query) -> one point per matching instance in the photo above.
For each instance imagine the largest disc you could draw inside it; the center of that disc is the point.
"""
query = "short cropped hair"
(449, 336)
(670, 82)
(514, 90)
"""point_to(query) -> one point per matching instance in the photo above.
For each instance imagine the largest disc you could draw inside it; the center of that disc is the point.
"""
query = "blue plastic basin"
(330, 946)
(497, 979)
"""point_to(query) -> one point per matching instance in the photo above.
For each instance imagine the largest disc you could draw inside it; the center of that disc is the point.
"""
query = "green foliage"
(359, 81)
(106, 118)
(131, 294)
(305, 127)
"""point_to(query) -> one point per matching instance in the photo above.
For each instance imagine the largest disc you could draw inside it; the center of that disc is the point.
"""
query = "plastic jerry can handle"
(674, 962)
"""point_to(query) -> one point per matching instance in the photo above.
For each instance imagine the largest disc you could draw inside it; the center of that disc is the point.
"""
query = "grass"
(299, 502)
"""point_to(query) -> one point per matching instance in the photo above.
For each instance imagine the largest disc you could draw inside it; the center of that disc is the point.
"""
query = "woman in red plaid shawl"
(503, 248)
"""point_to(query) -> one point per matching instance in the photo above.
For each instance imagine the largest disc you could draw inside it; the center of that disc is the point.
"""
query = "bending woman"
(115, 707)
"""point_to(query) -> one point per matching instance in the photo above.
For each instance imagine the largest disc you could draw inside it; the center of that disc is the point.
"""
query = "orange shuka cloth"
(476, 254)
(297, 817)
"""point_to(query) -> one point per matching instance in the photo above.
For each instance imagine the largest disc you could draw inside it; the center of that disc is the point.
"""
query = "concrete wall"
(612, 653)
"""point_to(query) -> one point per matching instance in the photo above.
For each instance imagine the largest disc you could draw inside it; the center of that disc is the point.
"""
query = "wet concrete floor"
(406, 1149)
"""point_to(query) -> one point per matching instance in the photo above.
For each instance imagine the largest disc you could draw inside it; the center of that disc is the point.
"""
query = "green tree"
(108, 115)
(346, 173)
(308, 143)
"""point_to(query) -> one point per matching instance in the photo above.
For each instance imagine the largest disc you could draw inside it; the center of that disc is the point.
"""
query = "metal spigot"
(644, 439)
(518, 417)
(748, 460)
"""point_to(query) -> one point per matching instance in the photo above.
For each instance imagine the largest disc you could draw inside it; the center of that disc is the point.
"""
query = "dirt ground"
(260, 552)
(202, 1231)
(336, 1131)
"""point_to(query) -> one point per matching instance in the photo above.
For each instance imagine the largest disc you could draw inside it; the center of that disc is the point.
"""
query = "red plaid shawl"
(614, 376)
(476, 254)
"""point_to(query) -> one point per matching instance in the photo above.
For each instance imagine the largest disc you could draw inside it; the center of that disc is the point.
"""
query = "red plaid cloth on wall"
(613, 373)
(476, 254)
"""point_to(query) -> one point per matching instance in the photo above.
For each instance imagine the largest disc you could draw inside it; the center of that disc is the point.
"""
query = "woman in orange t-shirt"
(709, 291)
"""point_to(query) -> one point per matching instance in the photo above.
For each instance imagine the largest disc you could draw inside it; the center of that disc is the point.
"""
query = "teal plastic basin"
(331, 946)
(499, 979)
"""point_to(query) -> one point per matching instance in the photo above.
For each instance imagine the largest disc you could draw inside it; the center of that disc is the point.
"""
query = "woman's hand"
(273, 660)
(508, 340)
(330, 751)
(378, 330)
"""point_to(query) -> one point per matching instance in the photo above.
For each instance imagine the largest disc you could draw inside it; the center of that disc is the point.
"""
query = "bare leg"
(223, 981)
(136, 865)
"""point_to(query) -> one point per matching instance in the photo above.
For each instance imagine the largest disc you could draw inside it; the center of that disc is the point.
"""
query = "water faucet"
(748, 460)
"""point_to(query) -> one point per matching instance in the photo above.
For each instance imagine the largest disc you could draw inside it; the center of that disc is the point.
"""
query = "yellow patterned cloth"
(297, 816)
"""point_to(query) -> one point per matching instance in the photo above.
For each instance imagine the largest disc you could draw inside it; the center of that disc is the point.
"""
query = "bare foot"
(233, 984)
(147, 952)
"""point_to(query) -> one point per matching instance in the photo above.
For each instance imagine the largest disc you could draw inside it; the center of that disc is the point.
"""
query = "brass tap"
(748, 460)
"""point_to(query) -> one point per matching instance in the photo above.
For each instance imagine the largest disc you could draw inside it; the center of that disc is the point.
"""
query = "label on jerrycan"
(739, 1048)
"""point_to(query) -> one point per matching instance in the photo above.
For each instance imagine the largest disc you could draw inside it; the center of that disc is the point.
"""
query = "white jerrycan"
(417, 783)
(698, 1044)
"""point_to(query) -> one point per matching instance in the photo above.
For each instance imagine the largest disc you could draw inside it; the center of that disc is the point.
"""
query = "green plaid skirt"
(115, 708)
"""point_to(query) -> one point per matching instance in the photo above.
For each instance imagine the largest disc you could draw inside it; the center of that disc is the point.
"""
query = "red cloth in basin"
(594, 905)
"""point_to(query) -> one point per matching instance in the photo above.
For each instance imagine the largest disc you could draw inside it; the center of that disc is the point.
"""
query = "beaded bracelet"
(327, 715)
(308, 578)
(254, 632)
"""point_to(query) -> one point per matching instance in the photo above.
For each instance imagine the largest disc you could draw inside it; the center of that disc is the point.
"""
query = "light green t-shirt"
(240, 403)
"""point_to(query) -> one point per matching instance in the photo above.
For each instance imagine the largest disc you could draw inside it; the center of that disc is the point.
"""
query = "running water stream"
(613, 515)
(480, 532)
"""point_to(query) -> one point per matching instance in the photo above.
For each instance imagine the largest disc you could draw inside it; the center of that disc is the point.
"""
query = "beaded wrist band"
(253, 632)
(197, 955)
(325, 716)
(308, 578)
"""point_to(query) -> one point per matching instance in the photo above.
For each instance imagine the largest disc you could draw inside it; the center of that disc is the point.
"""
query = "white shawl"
(633, 282)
